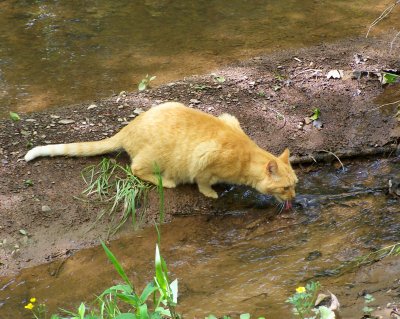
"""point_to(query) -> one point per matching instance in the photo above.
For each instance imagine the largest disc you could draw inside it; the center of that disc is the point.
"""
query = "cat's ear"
(285, 156)
(272, 167)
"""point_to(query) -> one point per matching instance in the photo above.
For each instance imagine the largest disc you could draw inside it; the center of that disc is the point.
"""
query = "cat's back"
(176, 120)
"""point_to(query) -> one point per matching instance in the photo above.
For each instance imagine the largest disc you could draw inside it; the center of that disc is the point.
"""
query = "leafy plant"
(145, 82)
(303, 302)
(218, 78)
(28, 183)
(14, 117)
(389, 78)
(316, 114)
(261, 93)
(276, 87)
(367, 309)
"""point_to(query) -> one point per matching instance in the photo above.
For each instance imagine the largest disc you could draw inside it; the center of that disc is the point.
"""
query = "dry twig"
(383, 15)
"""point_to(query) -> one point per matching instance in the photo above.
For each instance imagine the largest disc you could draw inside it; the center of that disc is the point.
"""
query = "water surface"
(241, 261)
(54, 53)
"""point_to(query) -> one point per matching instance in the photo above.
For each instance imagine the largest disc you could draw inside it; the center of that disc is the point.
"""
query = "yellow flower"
(300, 290)
(33, 299)
(29, 306)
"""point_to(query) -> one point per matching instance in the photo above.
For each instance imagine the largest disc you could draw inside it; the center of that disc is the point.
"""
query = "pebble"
(91, 106)
(46, 209)
(30, 120)
(54, 116)
(194, 101)
(66, 121)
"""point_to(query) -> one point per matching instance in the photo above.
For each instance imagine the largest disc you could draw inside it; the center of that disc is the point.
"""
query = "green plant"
(218, 78)
(14, 117)
(114, 183)
(316, 114)
(367, 259)
(145, 82)
(367, 309)
(201, 87)
(303, 302)
(39, 311)
(160, 191)
(279, 77)
(28, 183)
(261, 93)
(390, 78)
(97, 177)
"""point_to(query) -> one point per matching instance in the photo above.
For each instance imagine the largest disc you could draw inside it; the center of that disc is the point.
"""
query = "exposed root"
(327, 156)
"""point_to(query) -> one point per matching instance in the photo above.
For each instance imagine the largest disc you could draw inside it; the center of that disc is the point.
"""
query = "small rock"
(194, 101)
(335, 74)
(30, 120)
(66, 121)
(46, 209)
(318, 124)
(307, 120)
(54, 116)
(91, 106)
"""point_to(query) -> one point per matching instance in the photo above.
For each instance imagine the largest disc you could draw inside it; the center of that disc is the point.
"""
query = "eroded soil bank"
(41, 218)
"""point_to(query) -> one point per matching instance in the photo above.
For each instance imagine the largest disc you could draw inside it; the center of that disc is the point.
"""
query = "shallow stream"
(248, 260)
(54, 53)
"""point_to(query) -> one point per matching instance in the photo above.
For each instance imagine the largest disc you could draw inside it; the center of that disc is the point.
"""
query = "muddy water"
(244, 261)
(60, 52)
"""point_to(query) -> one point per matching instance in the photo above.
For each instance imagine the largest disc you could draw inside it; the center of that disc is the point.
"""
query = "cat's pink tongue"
(288, 205)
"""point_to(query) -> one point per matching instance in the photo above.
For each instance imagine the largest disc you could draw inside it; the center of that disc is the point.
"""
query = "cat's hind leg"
(140, 168)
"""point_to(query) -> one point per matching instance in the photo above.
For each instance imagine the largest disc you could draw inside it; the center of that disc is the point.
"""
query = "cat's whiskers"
(280, 206)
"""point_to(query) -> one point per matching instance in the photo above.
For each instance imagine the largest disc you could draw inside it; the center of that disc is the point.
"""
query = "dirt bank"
(41, 219)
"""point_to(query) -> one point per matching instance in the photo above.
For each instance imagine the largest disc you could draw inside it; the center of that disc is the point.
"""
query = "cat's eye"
(286, 188)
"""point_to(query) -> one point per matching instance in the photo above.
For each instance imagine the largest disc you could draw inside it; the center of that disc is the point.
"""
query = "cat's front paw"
(208, 192)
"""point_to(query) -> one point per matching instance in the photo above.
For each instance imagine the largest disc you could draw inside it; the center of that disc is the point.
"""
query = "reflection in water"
(60, 52)
(241, 262)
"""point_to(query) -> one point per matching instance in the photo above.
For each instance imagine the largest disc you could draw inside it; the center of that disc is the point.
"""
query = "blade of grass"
(117, 266)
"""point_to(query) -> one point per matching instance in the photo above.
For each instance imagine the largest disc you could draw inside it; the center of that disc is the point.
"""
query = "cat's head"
(279, 179)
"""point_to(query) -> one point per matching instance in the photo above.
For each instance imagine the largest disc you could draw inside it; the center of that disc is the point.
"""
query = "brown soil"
(269, 95)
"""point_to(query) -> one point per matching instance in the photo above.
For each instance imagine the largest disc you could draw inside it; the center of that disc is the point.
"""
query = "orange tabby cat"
(190, 146)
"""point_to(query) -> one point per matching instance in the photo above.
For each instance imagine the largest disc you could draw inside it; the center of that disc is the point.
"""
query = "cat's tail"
(76, 149)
